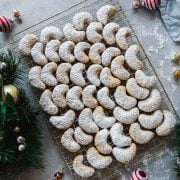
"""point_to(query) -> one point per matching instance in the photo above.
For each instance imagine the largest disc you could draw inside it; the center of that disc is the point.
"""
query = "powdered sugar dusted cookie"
(86, 122)
(80, 52)
(126, 116)
(118, 137)
(72, 34)
(51, 50)
(87, 96)
(81, 169)
(47, 104)
(151, 103)
(65, 51)
(104, 99)
(62, 72)
(143, 80)
(105, 12)
(38, 55)
(97, 160)
(122, 99)
(101, 143)
(95, 52)
(125, 155)
(121, 37)
(76, 74)
(47, 74)
(34, 78)
(135, 90)
(108, 54)
(68, 141)
(93, 32)
(131, 57)
(49, 33)
(59, 95)
(101, 119)
(81, 19)
(151, 121)
(118, 69)
(139, 135)
(64, 121)
(109, 32)
(81, 137)
(167, 125)
(73, 98)
(26, 44)
(107, 79)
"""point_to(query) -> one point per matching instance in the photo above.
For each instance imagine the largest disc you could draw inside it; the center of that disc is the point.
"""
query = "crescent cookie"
(34, 78)
(68, 141)
(97, 160)
(167, 125)
(86, 122)
(151, 121)
(122, 99)
(81, 19)
(93, 73)
(51, 50)
(121, 37)
(65, 51)
(107, 79)
(26, 44)
(135, 90)
(143, 80)
(152, 103)
(125, 155)
(108, 54)
(81, 137)
(49, 33)
(93, 32)
(72, 34)
(62, 72)
(117, 136)
(101, 119)
(105, 12)
(104, 99)
(76, 74)
(109, 32)
(73, 98)
(38, 55)
(80, 52)
(118, 69)
(126, 116)
(131, 57)
(47, 74)
(138, 135)
(87, 96)
(95, 52)
(47, 104)
(64, 121)
(81, 169)
(59, 95)
(101, 143)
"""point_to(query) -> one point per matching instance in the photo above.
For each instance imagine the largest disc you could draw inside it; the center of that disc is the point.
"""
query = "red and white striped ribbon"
(138, 175)
(151, 4)
(5, 24)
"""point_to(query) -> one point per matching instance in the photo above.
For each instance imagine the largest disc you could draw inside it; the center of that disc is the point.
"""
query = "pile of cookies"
(87, 71)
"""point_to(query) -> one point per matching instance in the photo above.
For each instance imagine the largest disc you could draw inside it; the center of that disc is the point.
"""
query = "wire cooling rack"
(152, 149)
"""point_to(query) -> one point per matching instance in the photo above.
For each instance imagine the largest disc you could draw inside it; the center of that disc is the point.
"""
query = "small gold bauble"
(1, 138)
(177, 57)
(12, 90)
(17, 129)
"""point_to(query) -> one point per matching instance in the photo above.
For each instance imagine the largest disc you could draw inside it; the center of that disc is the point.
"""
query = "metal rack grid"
(153, 148)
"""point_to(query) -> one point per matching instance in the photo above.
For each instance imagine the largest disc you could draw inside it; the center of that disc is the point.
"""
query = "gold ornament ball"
(177, 57)
(1, 138)
(12, 90)
(17, 129)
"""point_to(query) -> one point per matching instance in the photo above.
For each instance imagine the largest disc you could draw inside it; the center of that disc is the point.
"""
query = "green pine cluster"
(22, 115)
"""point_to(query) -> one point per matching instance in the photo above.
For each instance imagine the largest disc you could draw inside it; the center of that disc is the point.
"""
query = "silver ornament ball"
(21, 147)
(20, 139)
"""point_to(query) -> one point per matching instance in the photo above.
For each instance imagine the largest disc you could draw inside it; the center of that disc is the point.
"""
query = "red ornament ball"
(5, 24)
(138, 174)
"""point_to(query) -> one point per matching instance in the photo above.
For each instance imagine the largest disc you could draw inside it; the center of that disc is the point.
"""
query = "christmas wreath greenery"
(20, 131)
